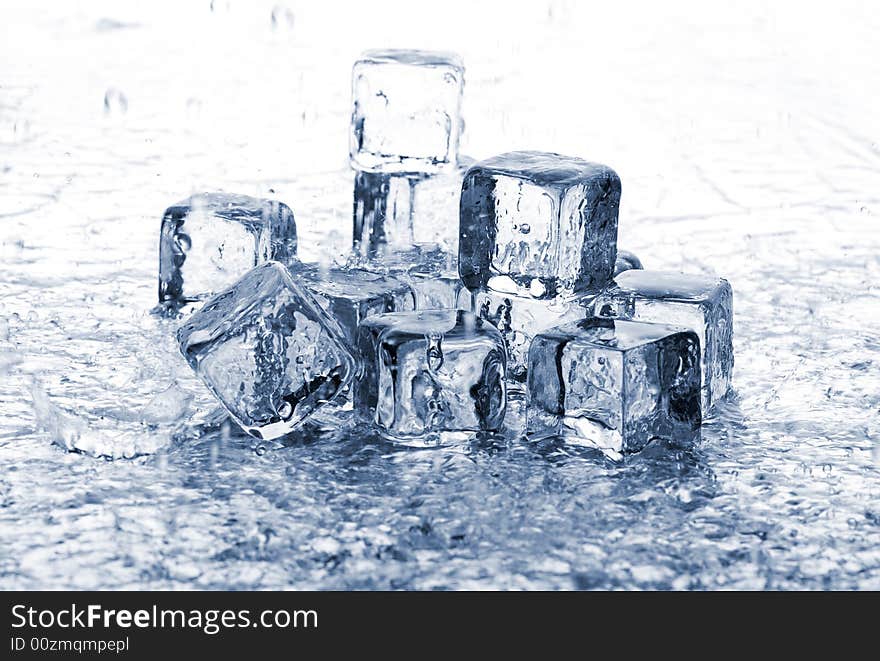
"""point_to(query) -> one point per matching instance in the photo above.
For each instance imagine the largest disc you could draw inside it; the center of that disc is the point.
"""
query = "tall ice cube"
(209, 240)
(703, 304)
(538, 224)
(268, 351)
(615, 385)
(406, 111)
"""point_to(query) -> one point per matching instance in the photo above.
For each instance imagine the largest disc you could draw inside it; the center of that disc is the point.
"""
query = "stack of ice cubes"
(467, 283)
(538, 237)
(405, 130)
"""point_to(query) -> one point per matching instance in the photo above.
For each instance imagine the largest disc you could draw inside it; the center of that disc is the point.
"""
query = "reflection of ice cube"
(519, 319)
(352, 295)
(268, 351)
(538, 224)
(703, 304)
(406, 111)
(429, 372)
(210, 240)
(615, 385)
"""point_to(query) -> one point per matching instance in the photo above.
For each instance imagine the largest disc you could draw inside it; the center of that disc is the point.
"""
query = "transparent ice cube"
(538, 225)
(210, 240)
(519, 319)
(615, 385)
(352, 295)
(430, 372)
(406, 111)
(703, 304)
(268, 351)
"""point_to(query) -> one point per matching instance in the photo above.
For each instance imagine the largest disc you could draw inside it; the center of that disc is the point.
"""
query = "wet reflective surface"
(746, 147)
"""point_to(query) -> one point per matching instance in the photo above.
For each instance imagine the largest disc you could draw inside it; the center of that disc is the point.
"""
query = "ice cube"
(210, 240)
(519, 319)
(352, 295)
(406, 111)
(538, 224)
(431, 372)
(615, 385)
(626, 261)
(703, 304)
(268, 351)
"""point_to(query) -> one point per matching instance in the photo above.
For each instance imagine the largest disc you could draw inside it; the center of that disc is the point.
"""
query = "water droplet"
(282, 18)
(525, 228)
(184, 243)
(193, 108)
(115, 102)
(434, 353)
(285, 411)
(260, 450)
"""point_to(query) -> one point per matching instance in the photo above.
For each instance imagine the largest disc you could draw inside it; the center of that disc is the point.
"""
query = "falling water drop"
(115, 102)
(282, 18)
(193, 108)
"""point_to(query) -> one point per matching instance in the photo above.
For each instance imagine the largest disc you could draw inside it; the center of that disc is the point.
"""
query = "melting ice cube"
(703, 304)
(538, 225)
(615, 385)
(430, 372)
(406, 111)
(268, 351)
(210, 240)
